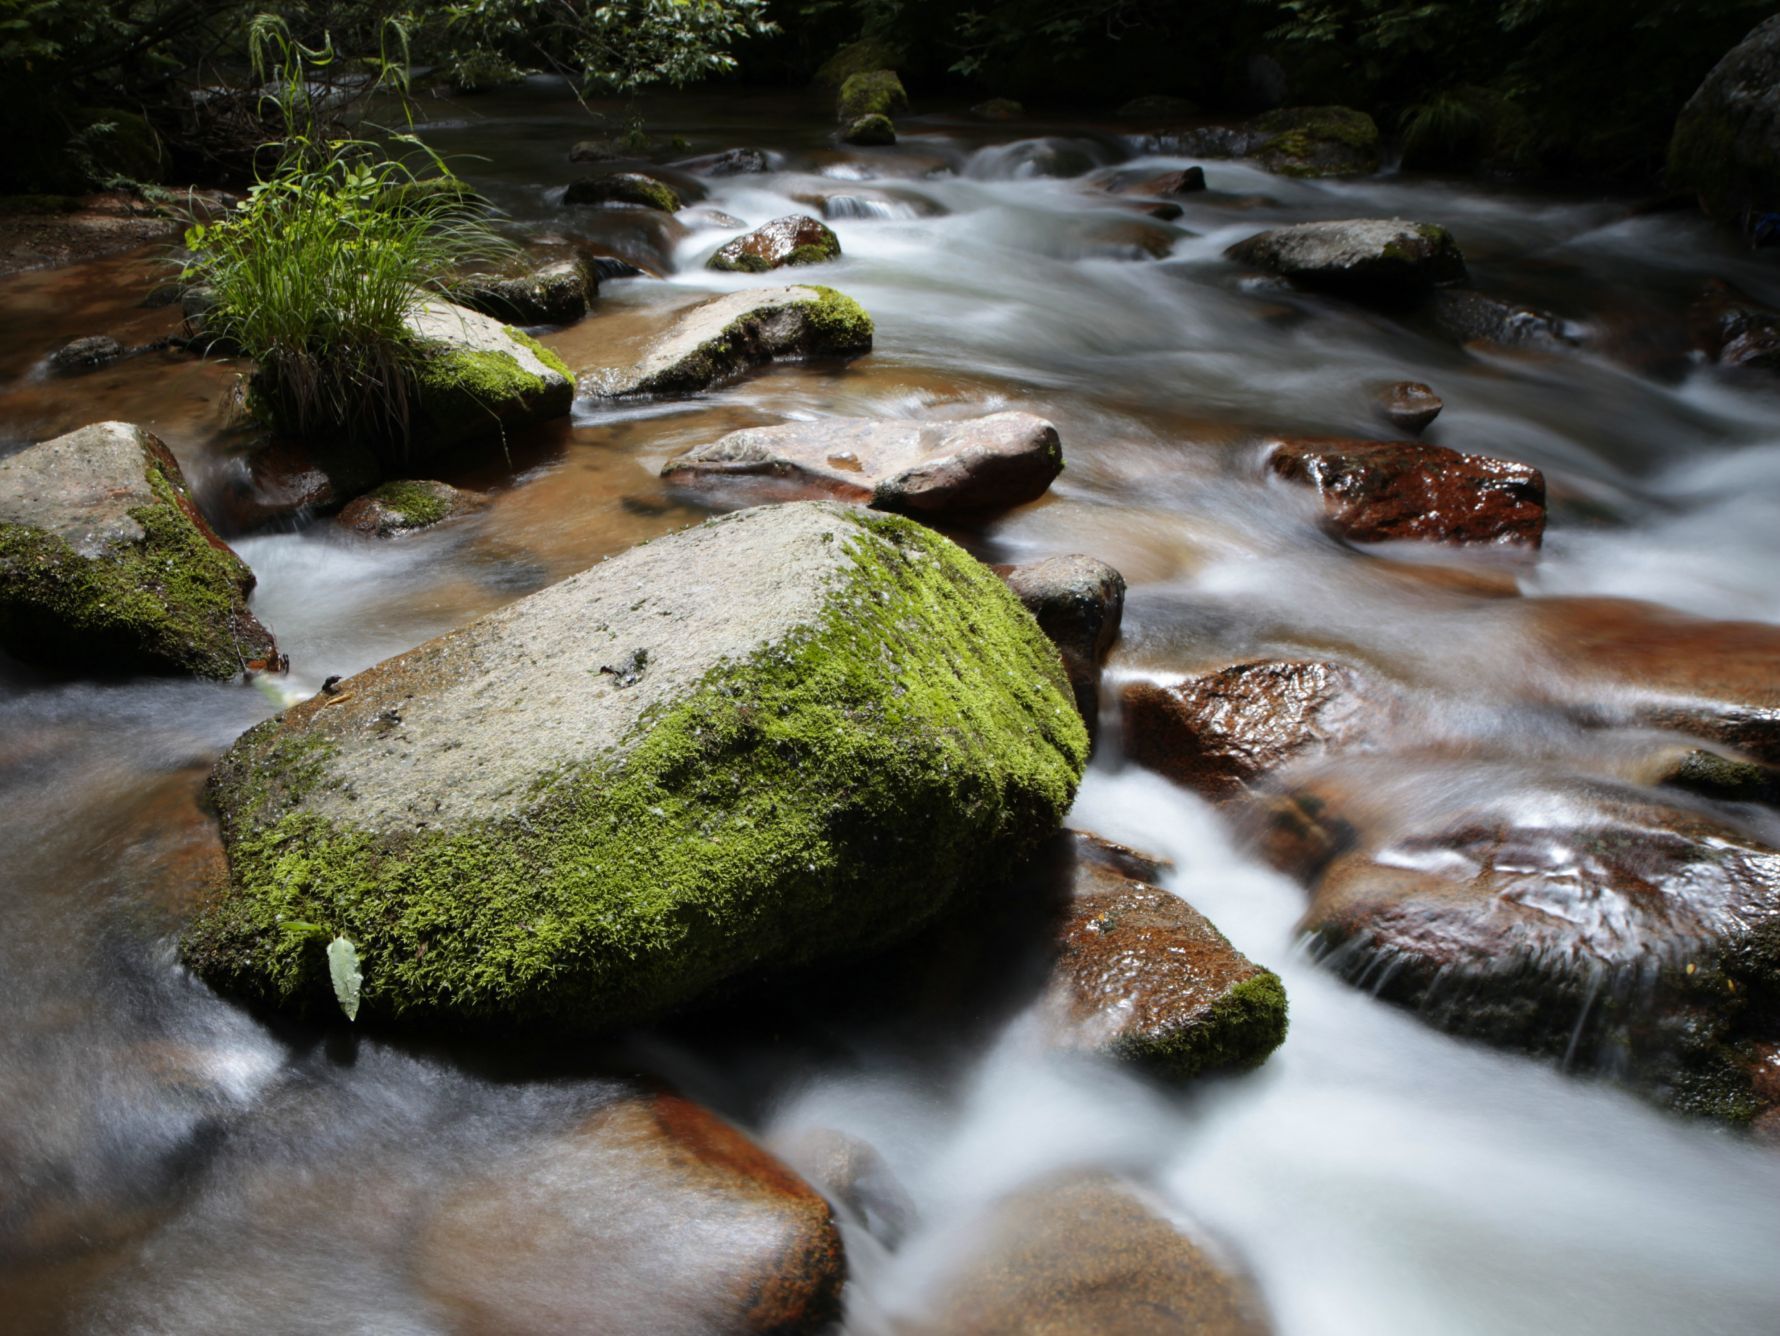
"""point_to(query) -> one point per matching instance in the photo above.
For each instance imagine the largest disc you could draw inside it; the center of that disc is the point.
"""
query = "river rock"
(730, 162)
(1386, 262)
(1726, 145)
(791, 733)
(482, 379)
(1079, 603)
(794, 239)
(285, 480)
(1384, 491)
(1593, 926)
(1474, 317)
(1223, 731)
(932, 468)
(870, 93)
(1143, 976)
(624, 188)
(108, 567)
(874, 131)
(1086, 1255)
(652, 1215)
(1712, 774)
(1410, 406)
(852, 1174)
(717, 340)
(1732, 329)
(1317, 141)
(557, 293)
(84, 354)
(404, 506)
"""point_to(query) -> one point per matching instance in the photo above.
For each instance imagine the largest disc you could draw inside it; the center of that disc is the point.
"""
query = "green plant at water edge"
(314, 273)
(343, 973)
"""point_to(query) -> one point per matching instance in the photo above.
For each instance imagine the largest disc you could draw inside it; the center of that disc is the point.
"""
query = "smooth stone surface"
(107, 566)
(795, 239)
(719, 339)
(792, 733)
(730, 162)
(1410, 406)
(938, 468)
(1378, 260)
(1384, 491)
(652, 1215)
(1079, 602)
(1086, 1255)
(556, 293)
(1142, 976)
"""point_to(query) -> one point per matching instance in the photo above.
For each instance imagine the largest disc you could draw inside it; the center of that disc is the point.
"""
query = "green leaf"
(343, 970)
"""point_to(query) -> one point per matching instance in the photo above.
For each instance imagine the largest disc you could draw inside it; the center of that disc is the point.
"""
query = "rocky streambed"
(950, 724)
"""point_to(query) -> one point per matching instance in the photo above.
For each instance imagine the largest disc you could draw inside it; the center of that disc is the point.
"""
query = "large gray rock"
(794, 732)
(1726, 145)
(482, 378)
(1386, 261)
(938, 468)
(106, 565)
(719, 339)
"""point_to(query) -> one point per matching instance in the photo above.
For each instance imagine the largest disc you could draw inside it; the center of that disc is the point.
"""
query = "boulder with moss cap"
(480, 378)
(794, 239)
(406, 505)
(790, 734)
(718, 340)
(106, 565)
(624, 188)
(870, 93)
(1317, 141)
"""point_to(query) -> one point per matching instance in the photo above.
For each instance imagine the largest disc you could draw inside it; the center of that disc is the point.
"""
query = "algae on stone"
(871, 93)
(605, 800)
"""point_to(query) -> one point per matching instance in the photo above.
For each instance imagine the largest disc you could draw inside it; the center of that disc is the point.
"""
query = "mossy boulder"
(861, 57)
(106, 565)
(794, 239)
(717, 340)
(624, 188)
(557, 292)
(790, 734)
(1382, 261)
(479, 378)
(873, 131)
(1726, 145)
(872, 93)
(404, 506)
(1317, 141)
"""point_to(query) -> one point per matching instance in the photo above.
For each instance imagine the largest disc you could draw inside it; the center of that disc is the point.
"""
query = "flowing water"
(169, 1163)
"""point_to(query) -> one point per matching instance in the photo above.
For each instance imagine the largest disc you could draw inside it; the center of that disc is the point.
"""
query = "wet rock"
(870, 93)
(1387, 262)
(107, 566)
(851, 1173)
(730, 162)
(867, 202)
(1158, 107)
(1473, 317)
(482, 379)
(1726, 145)
(792, 240)
(1143, 976)
(717, 340)
(1734, 330)
(1079, 602)
(1317, 141)
(84, 354)
(1409, 406)
(1387, 491)
(285, 479)
(1712, 774)
(872, 131)
(1205, 141)
(697, 778)
(1221, 732)
(558, 293)
(404, 506)
(1641, 938)
(624, 188)
(652, 1215)
(1087, 1256)
(998, 109)
(939, 468)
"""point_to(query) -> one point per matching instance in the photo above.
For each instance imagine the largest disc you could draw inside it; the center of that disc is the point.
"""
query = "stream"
(171, 1163)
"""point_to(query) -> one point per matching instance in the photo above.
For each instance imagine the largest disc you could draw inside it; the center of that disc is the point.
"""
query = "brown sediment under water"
(172, 1162)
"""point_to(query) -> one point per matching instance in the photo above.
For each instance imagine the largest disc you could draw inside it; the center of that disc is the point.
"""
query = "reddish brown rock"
(402, 507)
(1158, 185)
(915, 468)
(289, 480)
(1219, 733)
(1410, 406)
(1087, 1256)
(1385, 491)
(1142, 975)
(1591, 926)
(653, 1215)
(1079, 602)
(795, 239)
(1734, 330)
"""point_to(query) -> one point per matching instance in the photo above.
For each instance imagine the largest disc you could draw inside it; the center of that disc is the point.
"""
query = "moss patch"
(418, 503)
(874, 131)
(834, 326)
(1236, 1033)
(829, 794)
(872, 93)
(1318, 141)
(624, 188)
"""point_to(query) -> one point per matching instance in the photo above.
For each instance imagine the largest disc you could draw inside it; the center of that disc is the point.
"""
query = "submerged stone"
(793, 239)
(1387, 262)
(917, 468)
(107, 566)
(95, 350)
(789, 734)
(652, 1215)
(717, 340)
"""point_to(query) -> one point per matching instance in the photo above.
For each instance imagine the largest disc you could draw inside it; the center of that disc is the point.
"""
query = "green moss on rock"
(624, 188)
(861, 57)
(826, 795)
(1318, 142)
(872, 93)
(873, 131)
(1236, 1034)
